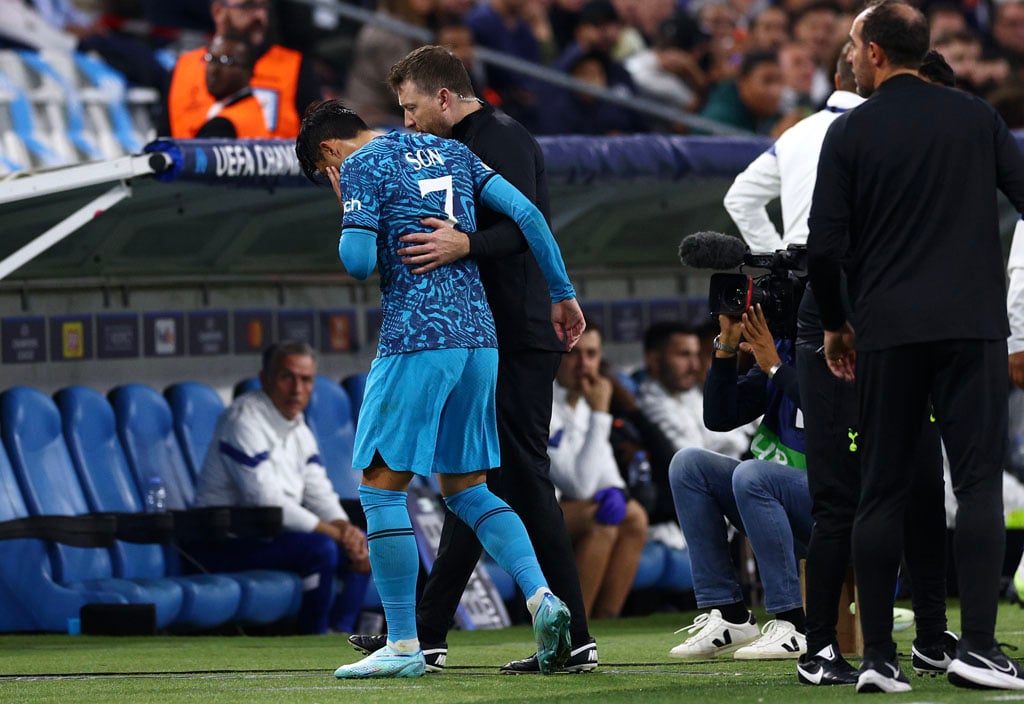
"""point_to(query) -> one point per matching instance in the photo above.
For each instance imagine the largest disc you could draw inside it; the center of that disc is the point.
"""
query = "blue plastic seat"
(195, 408)
(245, 386)
(145, 427)
(355, 386)
(329, 416)
(33, 599)
(31, 430)
(88, 423)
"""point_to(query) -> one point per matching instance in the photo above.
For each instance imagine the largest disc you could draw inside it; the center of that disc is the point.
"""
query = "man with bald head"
(903, 205)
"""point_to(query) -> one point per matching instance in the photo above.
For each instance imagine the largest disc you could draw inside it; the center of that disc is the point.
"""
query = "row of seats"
(59, 108)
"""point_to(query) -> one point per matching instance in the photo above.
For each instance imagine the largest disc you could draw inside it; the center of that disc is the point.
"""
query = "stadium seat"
(88, 423)
(245, 386)
(195, 408)
(355, 385)
(145, 427)
(33, 599)
(31, 429)
(329, 416)
(23, 142)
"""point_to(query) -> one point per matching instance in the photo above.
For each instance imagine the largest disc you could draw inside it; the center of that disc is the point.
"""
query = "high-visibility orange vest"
(274, 81)
(247, 117)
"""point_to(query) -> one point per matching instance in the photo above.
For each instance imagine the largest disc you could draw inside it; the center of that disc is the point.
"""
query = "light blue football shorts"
(430, 411)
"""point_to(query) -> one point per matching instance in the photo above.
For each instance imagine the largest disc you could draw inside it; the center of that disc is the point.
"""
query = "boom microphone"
(712, 250)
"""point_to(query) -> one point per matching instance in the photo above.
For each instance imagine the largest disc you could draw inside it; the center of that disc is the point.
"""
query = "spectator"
(607, 528)
(283, 81)
(815, 26)
(456, 36)
(574, 112)
(752, 101)
(766, 498)
(502, 25)
(944, 18)
(769, 30)
(963, 52)
(1008, 35)
(564, 16)
(377, 49)
(264, 454)
(718, 19)
(798, 68)
(237, 113)
(673, 72)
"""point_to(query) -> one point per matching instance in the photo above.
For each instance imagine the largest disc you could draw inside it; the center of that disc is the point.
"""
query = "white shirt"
(786, 171)
(260, 458)
(658, 84)
(680, 416)
(1015, 291)
(580, 448)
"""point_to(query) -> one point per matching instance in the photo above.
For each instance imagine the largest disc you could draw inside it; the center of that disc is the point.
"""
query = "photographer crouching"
(766, 498)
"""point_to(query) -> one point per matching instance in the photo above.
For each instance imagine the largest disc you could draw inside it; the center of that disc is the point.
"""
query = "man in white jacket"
(264, 454)
(608, 529)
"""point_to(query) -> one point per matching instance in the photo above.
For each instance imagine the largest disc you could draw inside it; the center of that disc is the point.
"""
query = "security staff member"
(282, 80)
(236, 112)
(435, 92)
(904, 200)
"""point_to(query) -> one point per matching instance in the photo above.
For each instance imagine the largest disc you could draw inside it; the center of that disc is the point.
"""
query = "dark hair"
(901, 31)
(755, 59)
(598, 12)
(681, 31)
(934, 69)
(432, 68)
(272, 355)
(324, 119)
(656, 337)
(844, 69)
(956, 36)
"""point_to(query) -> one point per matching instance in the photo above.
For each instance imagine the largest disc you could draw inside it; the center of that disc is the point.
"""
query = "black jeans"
(524, 398)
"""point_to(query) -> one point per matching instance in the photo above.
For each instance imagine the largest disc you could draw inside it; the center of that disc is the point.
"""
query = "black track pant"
(967, 385)
(834, 449)
(524, 398)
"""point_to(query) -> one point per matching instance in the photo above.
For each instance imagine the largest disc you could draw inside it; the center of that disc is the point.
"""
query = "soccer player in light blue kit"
(429, 399)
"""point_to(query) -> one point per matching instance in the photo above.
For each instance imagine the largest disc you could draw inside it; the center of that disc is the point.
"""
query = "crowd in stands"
(749, 64)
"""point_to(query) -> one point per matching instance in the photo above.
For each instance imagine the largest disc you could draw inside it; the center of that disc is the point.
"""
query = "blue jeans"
(769, 502)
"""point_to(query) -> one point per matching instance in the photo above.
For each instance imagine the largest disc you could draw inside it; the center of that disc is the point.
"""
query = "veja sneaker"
(881, 675)
(934, 659)
(551, 631)
(714, 636)
(386, 662)
(989, 669)
(779, 641)
(434, 655)
(826, 667)
(581, 659)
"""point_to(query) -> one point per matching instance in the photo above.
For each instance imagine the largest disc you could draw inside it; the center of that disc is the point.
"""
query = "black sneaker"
(984, 669)
(434, 654)
(581, 659)
(881, 675)
(934, 659)
(825, 667)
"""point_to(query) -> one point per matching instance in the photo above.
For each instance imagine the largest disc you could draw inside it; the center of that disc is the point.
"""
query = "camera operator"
(766, 498)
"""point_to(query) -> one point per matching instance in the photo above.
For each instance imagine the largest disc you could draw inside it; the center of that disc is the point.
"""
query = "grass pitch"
(299, 669)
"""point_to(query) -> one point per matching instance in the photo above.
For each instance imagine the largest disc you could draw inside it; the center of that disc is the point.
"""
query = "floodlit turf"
(297, 670)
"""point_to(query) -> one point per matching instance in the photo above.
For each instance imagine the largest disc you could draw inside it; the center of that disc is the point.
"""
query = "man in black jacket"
(436, 95)
(904, 202)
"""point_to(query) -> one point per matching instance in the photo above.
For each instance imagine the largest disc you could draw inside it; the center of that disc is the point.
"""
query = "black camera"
(778, 292)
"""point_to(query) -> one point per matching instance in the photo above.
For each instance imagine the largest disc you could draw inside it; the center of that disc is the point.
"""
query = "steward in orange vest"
(274, 79)
(236, 113)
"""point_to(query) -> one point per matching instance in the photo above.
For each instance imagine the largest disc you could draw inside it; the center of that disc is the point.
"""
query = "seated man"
(264, 454)
(236, 112)
(608, 530)
(767, 498)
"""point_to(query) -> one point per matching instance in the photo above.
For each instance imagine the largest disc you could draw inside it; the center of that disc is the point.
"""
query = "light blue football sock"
(502, 534)
(393, 558)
